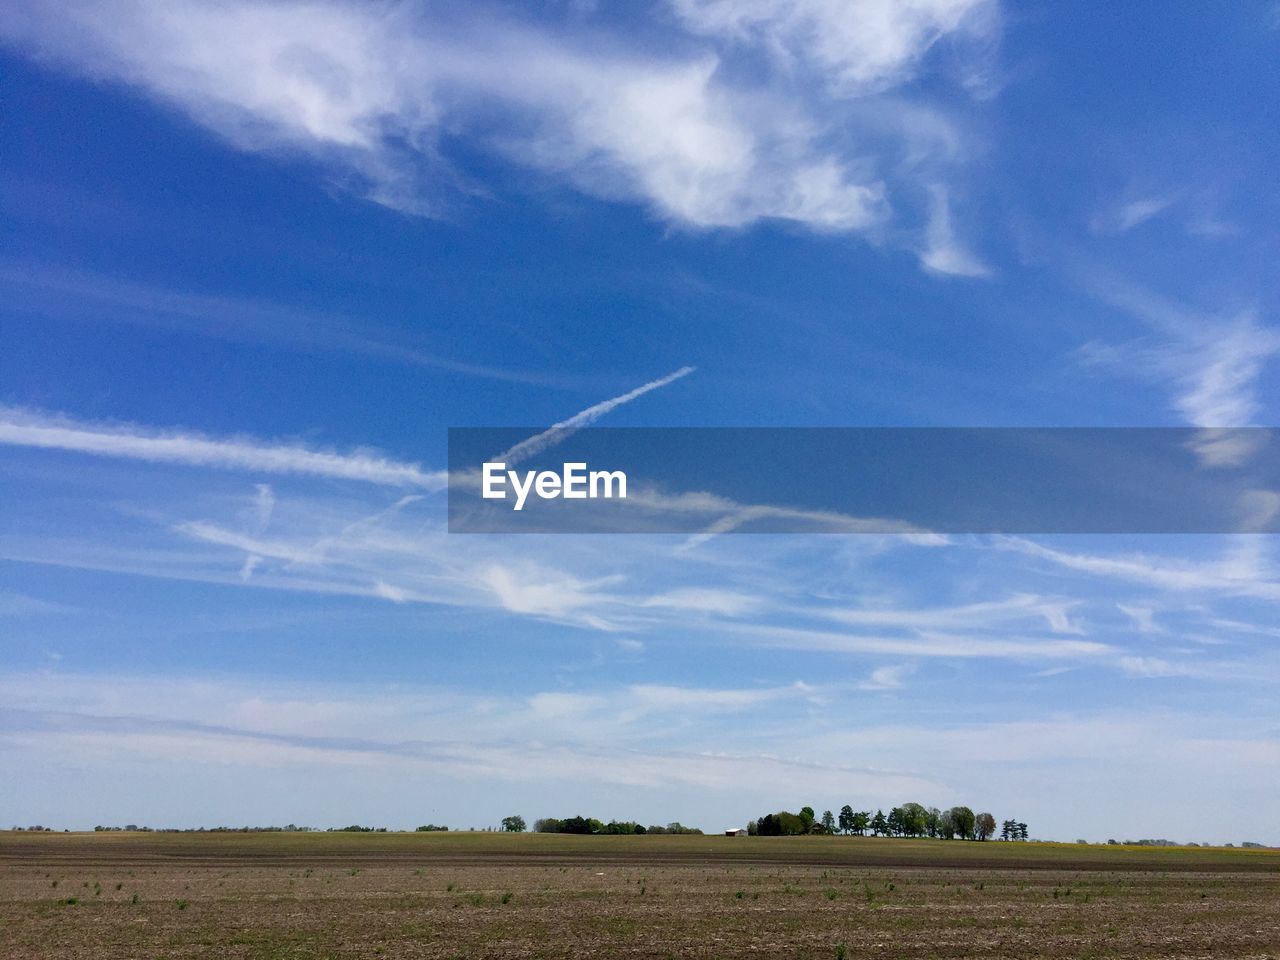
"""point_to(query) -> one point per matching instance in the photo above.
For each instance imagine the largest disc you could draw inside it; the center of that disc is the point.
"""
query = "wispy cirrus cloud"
(26, 428)
(985, 614)
(942, 251)
(855, 48)
(1211, 362)
(1244, 570)
(924, 643)
(566, 428)
(377, 92)
(1130, 214)
(886, 678)
(41, 430)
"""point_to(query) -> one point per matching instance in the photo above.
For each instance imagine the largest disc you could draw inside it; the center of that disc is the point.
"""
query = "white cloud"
(1243, 571)
(1219, 371)
(26, 428)
(646, 698)
(1131, 214)
(1143, 617)
(251, 562)
(985, 614)
(1149, 667)
(858, 47)
(943, 253)
(264, 504)
(1212, 364)
(566, 428)
(368, 90)
(727, 603)
(926, 643)
(886, 678)
(543, 593)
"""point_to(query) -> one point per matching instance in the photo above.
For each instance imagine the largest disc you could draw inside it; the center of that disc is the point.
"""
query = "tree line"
(590, 825)
(908, 820)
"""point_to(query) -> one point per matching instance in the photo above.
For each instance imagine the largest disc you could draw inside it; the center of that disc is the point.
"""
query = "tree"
(623, 827)
(846, 819)
(861, 820)
(931, 818)
(828, 821)
(914, 819)
(782, 824)
(894, 822)
(1013, 830)
(985, 825)
(879, 825)
(513, 824)
(962, 818)
(807, 815)
(946, 825)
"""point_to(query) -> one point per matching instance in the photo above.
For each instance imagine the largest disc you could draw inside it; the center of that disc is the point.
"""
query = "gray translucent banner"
(863, 480)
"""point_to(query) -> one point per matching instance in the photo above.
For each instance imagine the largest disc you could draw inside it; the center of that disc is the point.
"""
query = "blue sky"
(257, 258)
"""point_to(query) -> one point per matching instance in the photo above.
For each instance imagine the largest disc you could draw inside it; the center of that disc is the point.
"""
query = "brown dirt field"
(485, 895)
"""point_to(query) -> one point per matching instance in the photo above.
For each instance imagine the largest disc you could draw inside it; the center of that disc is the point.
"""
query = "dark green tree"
(782, 824)
(879, 825)
(894, 822)
(846, 819)
(962, 819)
(985, 826)
(828, 822)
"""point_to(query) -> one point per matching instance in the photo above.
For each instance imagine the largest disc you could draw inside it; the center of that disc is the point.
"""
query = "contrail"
(25, 428)
(560, 431)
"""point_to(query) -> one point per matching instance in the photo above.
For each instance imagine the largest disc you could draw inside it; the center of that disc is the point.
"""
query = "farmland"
(494, 895)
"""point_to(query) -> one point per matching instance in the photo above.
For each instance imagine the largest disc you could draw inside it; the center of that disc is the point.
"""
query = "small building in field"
(736, 832)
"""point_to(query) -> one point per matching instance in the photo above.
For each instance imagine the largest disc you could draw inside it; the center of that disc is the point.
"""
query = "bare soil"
(475, 896)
